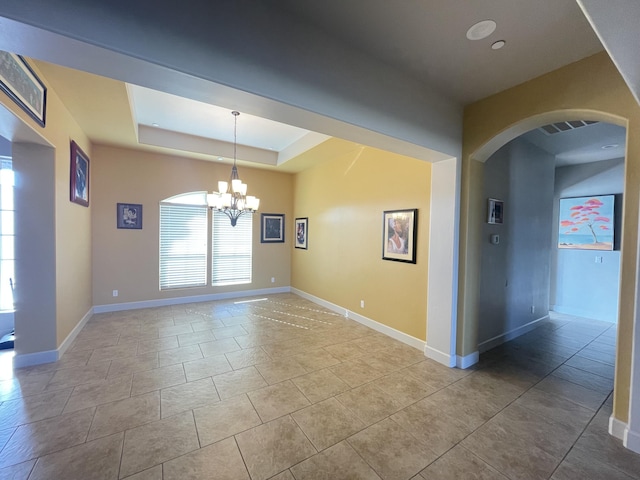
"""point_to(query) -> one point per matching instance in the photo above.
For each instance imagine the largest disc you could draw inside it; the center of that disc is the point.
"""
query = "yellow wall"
(344, 198)
(127, 260)
(72, 221)
(591, 89)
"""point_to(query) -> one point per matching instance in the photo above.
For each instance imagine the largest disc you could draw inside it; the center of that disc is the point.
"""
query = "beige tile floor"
(281, 388)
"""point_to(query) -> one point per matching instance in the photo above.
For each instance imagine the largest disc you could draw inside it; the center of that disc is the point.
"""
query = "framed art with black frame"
(302, 233)
(79, 182)
(129, 216)
(272, 228)
(400, 232)
(21, 83)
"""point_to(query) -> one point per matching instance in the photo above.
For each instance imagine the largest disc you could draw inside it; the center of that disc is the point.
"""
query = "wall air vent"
(559, 127)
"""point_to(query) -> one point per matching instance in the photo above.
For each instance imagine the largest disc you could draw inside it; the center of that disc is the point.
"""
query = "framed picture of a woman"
(399, 235)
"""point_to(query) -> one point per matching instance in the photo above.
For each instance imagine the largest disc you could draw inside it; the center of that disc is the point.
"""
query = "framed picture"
(20, 82)
(129, 215)
(399, 235)
(272, 228)
(302, 233)
(587, 223)
(495, 211)
(79, 176)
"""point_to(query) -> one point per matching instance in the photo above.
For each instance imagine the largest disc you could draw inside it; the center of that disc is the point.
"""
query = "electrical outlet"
(533, 309)
(115, 293)
(273, 279)
(361, 303)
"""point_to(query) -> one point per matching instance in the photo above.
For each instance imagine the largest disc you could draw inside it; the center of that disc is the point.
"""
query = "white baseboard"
(66, 343)
(440, 357)
(510, 335)
(29, 359)
(377, 326)
(319, 301)
(163, 302)
(468, 360)
(617, 428)
(631, 440)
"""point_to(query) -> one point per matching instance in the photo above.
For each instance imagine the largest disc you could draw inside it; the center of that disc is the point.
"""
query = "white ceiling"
(171, 112)
(582, 145)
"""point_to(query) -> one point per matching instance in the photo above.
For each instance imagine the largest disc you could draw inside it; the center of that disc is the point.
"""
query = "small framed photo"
(272, 228)
(302, 233)
(495, 211)
(129, 215)
(400, 233)
(79, 184)
(20, 82)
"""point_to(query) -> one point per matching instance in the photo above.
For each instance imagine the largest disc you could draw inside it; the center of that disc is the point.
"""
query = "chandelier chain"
(232, 199)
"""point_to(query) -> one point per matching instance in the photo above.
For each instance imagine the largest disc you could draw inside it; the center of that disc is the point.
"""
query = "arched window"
(183, 241)
(183, 244)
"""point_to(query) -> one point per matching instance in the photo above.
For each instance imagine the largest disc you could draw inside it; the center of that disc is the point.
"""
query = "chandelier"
(231, 197)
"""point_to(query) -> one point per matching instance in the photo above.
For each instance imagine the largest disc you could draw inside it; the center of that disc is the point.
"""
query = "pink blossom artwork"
(586, 223)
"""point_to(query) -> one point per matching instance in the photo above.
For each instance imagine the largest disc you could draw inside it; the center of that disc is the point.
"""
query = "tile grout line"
(584, 429)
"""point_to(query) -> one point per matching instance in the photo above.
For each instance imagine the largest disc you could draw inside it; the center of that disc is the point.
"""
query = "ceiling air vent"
(554, 128)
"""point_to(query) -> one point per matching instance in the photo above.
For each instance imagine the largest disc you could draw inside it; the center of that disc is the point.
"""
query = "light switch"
(495, 239)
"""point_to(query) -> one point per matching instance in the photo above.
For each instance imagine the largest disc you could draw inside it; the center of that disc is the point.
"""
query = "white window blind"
(231, 250)
(7, 233)
(183, 244)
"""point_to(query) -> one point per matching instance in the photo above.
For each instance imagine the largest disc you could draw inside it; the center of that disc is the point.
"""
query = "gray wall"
(293, 68)
(35, 269)
(5, 147)
(579, 285)
(514, 275)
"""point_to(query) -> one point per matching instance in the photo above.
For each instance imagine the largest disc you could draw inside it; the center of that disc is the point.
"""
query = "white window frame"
(228, 260)
(231, 250)
(183, 258)
(7, 233)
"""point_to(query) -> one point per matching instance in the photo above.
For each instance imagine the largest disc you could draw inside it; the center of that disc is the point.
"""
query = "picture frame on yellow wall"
(399, 235)
(129, 216)
(272, 228)
(79, 181)
(22, 85)
(301, 235)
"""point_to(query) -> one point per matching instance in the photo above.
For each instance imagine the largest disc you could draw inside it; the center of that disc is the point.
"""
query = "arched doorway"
(528, 266)
(590, 89)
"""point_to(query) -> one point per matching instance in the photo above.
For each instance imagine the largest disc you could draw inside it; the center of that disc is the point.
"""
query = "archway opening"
(537, 258)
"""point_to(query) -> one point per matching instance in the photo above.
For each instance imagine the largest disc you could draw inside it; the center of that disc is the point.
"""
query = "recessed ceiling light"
(498, 45)
(155, 124)
(611, 145)
(481, 30)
